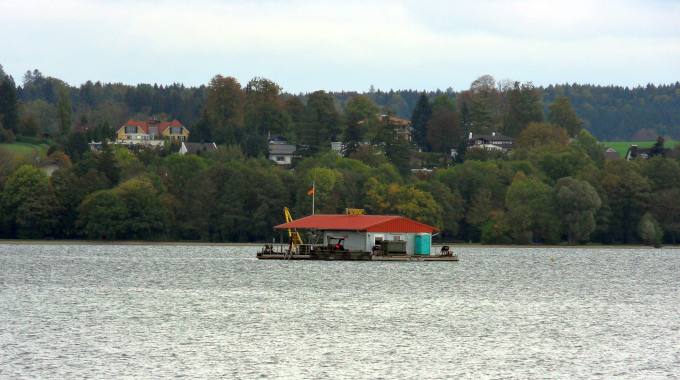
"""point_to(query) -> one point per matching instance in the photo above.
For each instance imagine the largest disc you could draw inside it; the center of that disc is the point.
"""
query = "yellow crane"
(294, 236)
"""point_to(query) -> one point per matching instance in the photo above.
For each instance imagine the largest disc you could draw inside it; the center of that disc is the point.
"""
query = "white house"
(280, 151)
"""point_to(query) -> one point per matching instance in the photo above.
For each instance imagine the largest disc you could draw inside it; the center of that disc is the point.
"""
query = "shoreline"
(259, 244)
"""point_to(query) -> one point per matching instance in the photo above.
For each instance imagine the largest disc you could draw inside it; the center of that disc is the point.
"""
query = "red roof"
(368, 223)
(144, 125)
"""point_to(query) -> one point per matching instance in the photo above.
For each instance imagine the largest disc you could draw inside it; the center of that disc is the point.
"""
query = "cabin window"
(280, 158)
(130, 129)
(176, 130)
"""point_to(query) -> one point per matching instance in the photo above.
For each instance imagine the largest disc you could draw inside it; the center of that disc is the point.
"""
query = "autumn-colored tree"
(542, 136)
(402, 200)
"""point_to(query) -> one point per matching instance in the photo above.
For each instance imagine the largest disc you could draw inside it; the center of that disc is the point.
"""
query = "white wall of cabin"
(364, 241)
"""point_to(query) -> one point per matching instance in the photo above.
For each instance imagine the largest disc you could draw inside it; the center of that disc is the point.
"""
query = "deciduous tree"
(531, 211)
(27, 206)
(577, 203)
(223, 112)
(649, 230)
(561, 114)
(523, 107)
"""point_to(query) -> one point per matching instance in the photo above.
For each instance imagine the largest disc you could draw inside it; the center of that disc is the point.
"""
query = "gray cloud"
(348, 45)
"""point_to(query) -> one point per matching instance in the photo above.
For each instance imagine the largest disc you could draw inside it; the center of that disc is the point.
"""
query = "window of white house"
(280, 158)
(378, 239)
(397, 237)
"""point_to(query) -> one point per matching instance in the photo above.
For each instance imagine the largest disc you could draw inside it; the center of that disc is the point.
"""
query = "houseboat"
(357, 237)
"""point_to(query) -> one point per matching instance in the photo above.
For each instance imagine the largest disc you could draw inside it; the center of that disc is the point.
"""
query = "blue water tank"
(423, 243)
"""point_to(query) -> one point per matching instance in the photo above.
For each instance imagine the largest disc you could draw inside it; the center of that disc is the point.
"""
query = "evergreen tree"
(108, 165)
(658, 148)
(65, 111)
(76, 145)
(361, 120)
(9, 114)
(322, 122)
(419, 120)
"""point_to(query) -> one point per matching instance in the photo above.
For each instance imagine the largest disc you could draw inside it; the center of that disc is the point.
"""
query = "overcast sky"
(346, 44)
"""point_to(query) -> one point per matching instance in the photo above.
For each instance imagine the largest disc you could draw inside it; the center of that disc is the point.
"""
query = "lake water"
(153, 311)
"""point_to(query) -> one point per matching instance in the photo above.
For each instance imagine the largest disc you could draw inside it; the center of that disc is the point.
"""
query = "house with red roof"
(152, 132)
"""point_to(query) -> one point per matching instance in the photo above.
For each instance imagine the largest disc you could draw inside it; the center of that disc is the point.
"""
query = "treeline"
(554, 186)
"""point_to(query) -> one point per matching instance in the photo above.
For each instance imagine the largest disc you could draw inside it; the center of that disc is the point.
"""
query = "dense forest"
(608, 112)
(554, 186)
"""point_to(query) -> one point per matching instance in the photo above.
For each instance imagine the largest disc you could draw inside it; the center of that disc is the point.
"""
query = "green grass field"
(621, 147)
(25, 150)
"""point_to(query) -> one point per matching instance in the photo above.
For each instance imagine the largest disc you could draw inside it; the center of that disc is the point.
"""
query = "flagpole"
(313, 196)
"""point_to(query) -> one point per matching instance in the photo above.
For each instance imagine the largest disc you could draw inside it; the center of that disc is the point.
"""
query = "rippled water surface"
(154, 311)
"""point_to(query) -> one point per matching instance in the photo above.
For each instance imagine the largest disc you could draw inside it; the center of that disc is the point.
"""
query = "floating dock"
(357, 237)
(325, 254)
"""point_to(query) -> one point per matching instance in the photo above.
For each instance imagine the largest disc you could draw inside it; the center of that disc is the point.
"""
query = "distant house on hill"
(401, 127)
(611, 154)
(196, 148)
(152, 132)
(635, 152)
(280, 151)
(495, 142)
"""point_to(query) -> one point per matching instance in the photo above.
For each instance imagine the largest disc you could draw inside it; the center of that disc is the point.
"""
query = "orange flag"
(311, 191)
